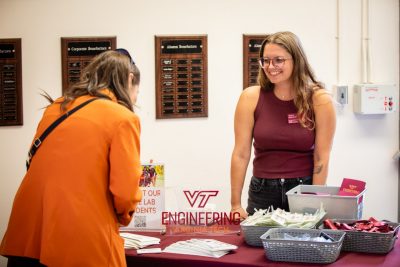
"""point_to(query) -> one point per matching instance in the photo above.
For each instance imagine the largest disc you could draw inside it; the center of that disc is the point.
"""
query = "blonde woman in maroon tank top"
(290, 120)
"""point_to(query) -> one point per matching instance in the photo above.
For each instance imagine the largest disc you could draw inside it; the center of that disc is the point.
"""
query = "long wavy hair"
(110, 70)
(303, 78)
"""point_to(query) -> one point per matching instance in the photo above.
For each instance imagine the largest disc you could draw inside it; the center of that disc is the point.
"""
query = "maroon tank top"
(282, 147)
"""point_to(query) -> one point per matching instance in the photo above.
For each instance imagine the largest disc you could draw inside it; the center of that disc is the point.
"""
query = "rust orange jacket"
(82, 183)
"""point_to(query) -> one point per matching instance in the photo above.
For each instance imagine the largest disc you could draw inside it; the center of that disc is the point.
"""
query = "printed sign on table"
(148, 211)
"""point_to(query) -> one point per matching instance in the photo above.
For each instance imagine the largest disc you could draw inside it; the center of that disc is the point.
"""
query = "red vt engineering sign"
(199, 198)
(196, 221)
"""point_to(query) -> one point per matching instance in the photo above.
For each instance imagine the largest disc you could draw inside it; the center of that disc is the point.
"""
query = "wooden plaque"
(10, 82)
(181, 76)
(251, 48)
(77, 52)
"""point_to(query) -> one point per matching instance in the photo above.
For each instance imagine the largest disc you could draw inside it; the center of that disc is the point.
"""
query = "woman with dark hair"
(290, 119)
(83, 181)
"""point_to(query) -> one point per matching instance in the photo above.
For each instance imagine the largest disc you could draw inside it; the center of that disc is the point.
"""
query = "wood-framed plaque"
(10, 82)
(181, 76)
(251, 48)
(77, 52)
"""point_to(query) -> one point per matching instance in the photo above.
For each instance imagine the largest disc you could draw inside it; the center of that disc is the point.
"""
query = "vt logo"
(200, 198)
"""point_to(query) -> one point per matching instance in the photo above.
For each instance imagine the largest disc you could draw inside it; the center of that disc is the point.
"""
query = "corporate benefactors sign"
(148, 211)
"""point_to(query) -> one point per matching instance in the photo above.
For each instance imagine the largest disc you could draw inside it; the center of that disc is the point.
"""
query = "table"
(247, 256)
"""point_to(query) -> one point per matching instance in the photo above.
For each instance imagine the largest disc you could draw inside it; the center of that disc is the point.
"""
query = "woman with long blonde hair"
(290, 120)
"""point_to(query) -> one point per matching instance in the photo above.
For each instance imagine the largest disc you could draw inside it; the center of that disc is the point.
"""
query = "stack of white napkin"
(138, 241)
(201, 247)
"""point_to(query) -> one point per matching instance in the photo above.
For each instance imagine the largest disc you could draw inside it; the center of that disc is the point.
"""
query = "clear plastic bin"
(308, 198)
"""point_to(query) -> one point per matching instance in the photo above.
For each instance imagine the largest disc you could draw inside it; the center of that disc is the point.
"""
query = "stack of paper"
(201, 247)
(138, 241)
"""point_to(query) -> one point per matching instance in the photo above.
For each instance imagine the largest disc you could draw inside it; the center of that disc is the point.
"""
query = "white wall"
(197, 151)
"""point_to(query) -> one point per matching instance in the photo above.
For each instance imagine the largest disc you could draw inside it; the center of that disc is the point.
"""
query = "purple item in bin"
(316, 193)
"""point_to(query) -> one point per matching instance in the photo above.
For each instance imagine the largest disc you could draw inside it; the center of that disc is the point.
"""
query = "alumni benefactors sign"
(181, 76)
(251, 49)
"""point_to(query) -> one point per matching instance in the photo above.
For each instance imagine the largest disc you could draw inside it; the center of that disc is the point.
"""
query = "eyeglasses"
(277, 62)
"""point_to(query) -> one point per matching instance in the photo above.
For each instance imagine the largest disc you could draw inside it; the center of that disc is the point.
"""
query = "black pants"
(14, 261)
(264, 193)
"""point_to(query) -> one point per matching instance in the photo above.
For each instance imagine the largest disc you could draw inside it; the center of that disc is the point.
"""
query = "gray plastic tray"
(381, 243)
(277, 248)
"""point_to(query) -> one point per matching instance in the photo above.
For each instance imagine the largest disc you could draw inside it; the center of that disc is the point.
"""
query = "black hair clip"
(125, 52)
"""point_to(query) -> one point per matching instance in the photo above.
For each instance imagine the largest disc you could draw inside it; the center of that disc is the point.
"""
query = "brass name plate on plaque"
(10, 82)
(77, 52)
(181, 76)
(251, 48)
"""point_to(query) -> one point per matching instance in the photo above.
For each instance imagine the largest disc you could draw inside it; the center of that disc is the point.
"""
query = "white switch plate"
(342, 94)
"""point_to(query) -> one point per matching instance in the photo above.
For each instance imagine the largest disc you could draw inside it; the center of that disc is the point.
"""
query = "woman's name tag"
(292, 118)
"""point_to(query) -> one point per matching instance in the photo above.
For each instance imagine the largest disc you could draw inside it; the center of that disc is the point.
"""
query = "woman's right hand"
(242, 212)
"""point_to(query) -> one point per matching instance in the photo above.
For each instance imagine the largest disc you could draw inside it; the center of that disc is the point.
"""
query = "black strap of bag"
(38, 141)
